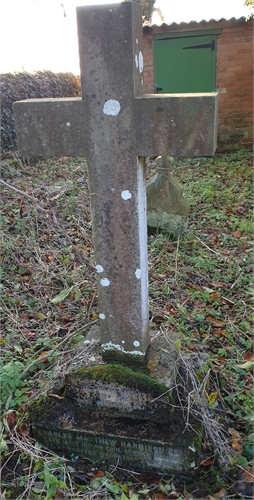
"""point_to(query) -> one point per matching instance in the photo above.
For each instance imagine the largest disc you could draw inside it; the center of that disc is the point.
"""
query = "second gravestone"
(114, 125)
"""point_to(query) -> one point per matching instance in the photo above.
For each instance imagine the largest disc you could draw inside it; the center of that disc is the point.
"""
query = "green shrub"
(19, 86)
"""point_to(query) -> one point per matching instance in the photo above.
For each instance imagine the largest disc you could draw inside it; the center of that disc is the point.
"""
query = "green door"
(185, 62)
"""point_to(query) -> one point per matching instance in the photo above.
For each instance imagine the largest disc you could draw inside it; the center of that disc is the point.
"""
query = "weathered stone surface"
(132, 423)
(162, 360)
(176, 124)
(167, 208)
(114, 391)
(115, 126)
(36, 134)
(170, 124)
(167, 453)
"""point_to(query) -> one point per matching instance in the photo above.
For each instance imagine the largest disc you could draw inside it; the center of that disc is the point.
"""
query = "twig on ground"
(26, 195)
(237, 279)
(176, 264)
(208, 248)
(90, 306)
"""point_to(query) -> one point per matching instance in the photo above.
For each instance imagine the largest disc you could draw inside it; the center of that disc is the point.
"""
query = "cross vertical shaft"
(111, 76)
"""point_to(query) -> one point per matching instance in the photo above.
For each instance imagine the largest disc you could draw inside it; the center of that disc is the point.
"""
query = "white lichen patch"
(68, 124)
(138, 273)
(126, 195)
(136, 60)
(111, 107)
(140, 61)
(102, 316)
(109, 346)
(105, 282)
(99, 268)
(136, 343)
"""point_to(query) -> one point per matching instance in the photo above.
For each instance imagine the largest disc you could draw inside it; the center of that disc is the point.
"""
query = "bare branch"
(26, 195)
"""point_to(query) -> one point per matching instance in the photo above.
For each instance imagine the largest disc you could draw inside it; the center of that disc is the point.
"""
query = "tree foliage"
(147, 8)
(250, 4)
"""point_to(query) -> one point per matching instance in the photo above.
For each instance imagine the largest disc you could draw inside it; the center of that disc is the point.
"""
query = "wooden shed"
(203, 57)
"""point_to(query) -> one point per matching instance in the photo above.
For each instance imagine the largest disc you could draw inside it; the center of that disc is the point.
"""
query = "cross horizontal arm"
(176, 124)
(51, 127)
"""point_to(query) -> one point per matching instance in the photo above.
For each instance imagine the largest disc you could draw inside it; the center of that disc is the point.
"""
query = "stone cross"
(114, 125)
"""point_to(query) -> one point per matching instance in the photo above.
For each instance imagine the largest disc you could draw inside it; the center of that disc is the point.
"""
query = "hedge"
(19, 86)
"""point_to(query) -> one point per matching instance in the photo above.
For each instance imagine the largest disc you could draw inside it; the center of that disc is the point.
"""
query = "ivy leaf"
(113, 488)
(61, 296)
(18, 348)
(124, 497)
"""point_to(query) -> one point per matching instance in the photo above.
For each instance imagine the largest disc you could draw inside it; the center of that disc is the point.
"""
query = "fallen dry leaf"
(29, 335)
(235, 435)
(222, 493)
(220, 332)
(249, 474)
(58, 495)
(100, 473)
(192, 285)
(248, 356)
(205, 462)
(219, 284)
(24, 429)
(158, 320)
(24, 317)
(237, 234)
(11, 420)
(215, 321)
(174, 494)
(43, 354)
(199, 303)
(236, 446)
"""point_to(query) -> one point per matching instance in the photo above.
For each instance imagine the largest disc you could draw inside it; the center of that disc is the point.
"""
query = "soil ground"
(199, 285)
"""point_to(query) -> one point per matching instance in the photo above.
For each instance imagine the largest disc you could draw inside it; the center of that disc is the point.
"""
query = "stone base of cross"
(114, 125)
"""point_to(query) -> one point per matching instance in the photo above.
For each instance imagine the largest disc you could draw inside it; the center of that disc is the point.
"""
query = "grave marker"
(115, 126)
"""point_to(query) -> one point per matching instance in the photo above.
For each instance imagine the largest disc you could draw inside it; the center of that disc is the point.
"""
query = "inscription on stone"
(116, 399)
(141, 453)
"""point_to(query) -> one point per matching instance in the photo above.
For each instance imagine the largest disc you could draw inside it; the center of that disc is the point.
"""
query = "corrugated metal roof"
(183, 23)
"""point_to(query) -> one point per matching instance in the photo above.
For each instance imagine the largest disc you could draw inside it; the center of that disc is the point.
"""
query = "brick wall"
(234, 77)
(148, 63)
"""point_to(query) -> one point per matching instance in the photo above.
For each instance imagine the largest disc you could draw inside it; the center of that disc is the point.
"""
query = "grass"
(200, 286)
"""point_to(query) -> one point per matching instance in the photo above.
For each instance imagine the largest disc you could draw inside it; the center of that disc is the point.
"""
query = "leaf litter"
(200, 286)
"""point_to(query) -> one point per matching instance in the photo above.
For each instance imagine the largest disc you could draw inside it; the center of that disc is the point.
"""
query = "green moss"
(42, 406)
(116, 357)
(124, 376)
